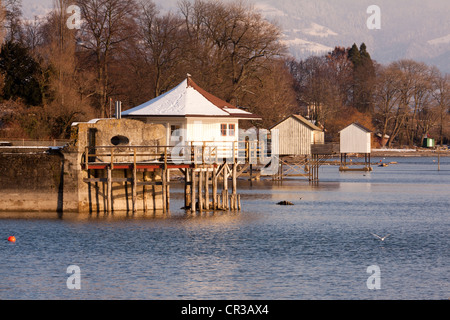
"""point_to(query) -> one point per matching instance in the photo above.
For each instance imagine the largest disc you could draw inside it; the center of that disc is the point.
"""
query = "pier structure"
(306, 166)
(145, 174)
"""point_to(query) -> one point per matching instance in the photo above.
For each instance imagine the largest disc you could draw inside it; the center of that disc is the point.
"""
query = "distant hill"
(413, 29)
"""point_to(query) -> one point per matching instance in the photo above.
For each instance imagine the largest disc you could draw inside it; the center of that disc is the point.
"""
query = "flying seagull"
(381, 238)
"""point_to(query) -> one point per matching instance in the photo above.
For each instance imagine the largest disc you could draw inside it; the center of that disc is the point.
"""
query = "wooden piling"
(167, 189)
(187, 188)
(200, 191)
(207, 189)
(144, 191)
(134, 196)
(193, 185)
(214, 188)
(109, 189)
(164, 195)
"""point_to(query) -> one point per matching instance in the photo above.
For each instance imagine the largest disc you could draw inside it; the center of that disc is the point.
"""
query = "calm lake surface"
(319, 248)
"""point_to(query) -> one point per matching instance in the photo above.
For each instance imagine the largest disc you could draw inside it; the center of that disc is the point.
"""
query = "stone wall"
(52, 179)
(33, 180)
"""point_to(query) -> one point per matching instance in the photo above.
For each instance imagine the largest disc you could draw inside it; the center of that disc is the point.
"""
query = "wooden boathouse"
(301, 144)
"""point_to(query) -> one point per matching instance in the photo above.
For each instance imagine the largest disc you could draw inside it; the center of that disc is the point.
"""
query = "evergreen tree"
(354, 56)
(20, 72)
(363, 78)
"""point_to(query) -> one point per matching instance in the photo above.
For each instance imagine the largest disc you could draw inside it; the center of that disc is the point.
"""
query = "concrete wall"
(52, 179)
(33, 179)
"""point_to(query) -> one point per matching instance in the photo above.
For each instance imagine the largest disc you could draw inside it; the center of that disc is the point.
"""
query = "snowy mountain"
(410, 29)
(413, 29)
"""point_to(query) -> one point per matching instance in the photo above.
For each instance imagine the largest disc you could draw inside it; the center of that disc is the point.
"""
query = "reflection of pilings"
(197, 196)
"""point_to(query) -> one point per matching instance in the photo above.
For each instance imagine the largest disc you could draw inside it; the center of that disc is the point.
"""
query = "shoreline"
(409, 153)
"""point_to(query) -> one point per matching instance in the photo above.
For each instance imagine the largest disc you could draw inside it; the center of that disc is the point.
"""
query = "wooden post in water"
(207, 189)
(168, 189)
(225, 187)
(108, 189)
(193, 184)
(214, 188)
(187, 188)
(144, 190)
(164, 195)
(200, 190)
(134, 196)
(234, 186)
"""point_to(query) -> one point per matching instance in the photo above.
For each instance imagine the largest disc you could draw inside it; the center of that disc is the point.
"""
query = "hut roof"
(188, 100)
(358, 125)
(298, 117)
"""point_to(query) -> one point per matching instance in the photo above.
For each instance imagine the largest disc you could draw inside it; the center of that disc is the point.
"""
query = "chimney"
(118, 109)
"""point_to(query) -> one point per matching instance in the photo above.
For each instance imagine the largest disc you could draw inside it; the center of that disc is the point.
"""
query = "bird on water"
(381, 238)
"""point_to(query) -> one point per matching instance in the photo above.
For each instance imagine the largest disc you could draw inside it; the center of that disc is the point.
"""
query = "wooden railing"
(203, 152)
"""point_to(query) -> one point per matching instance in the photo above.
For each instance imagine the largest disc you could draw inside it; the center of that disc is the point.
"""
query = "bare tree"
(13, 19)
(441, 95)
(107, 26)
(163, 42)
(232, 42)
(387, 96)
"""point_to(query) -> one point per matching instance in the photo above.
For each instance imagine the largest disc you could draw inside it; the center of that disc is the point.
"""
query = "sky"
(410, 29)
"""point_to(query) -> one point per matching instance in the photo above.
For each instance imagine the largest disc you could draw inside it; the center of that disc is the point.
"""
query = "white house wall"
(205, 129)
(354, 140)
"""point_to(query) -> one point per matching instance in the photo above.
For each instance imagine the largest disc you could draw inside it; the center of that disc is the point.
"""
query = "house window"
(223, 129)
(175, 130)
(231, 128)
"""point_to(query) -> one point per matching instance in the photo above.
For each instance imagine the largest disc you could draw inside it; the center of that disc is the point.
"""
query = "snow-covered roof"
(187, 100)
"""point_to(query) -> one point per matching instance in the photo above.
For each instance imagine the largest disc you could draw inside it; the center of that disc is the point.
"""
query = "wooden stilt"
(109, 190)
(187, 188)
(164, 195)
(207, 190)
(144, 191)
(214, 188)
(193, 185)
(200, 191)
(134, 196)
(167, 189)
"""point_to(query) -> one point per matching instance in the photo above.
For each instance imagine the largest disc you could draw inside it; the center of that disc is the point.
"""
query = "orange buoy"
(12, 239)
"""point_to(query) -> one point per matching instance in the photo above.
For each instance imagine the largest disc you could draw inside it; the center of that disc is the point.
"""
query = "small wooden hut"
(355, 139)
(296, 134)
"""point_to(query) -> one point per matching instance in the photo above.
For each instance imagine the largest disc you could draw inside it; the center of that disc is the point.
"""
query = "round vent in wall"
(120, 140)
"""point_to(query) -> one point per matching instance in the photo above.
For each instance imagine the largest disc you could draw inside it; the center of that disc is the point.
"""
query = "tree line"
(130, 51)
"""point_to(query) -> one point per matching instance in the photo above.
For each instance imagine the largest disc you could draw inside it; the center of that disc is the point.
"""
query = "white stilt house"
(192, 116)
(355, 139)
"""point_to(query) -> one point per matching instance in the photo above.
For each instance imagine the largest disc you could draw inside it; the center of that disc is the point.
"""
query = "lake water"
(319, 248)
